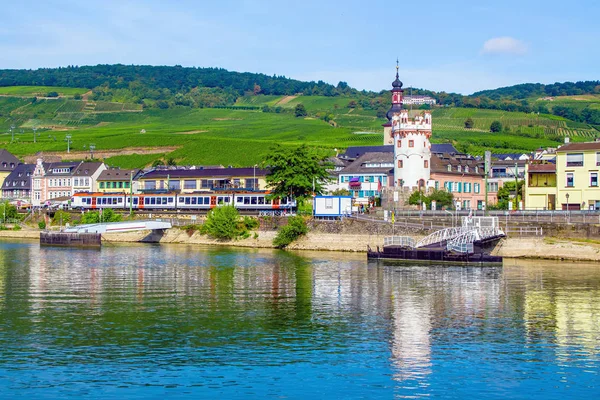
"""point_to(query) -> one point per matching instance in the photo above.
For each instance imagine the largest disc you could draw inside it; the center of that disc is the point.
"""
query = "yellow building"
(207, 179)
(577, 168)
(117, 180)
(540, 187)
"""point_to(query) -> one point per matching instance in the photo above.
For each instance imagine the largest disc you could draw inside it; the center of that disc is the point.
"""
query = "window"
(101, 185)
(476, 170)
(150, 185)
(189, 184)
(411, 143)
(459, 168)
(477, 187)
(174, 185)
(594, 179)
(449, 168)
(492, 187)
(575, 160)
(399, 143)
(597, 159)
(570, 179)
(400, 164)
(467, 169)
(426, 163)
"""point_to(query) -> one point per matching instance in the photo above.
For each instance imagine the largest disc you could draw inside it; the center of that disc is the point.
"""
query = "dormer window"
(459, 168)
(449, 168)
(476, 170)
(467, 169)
(12, 165)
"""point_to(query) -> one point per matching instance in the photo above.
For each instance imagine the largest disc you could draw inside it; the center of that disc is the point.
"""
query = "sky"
(457, 46)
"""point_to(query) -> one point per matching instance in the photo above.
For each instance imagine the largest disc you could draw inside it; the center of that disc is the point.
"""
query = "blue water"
(149, 321)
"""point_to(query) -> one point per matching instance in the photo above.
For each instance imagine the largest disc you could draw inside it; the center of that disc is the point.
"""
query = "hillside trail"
(285, 100)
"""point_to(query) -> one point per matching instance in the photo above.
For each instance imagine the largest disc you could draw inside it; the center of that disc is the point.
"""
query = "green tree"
(469, 123)
(8, 211)
(381, 112)
(496, 126)
(417, 198)
(442, 198)
(300, 110)
(352, 104)
(224, 223)
(171, 161)
(294, 171)
(506, 194)
(341, 192)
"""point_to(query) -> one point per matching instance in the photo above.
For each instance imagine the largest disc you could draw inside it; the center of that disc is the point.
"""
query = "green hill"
(242, 133)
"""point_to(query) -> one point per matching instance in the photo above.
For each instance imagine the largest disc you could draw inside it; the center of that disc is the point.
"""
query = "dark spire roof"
(397, 84)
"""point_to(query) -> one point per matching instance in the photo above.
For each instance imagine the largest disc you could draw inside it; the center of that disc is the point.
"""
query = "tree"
(256, 89)
(340, 192)
(171, 162)
(506, 192)
(381, 112)
(442, 198)
(352, 104)
(294, 171)
(417, 198)
(300, 110)
(469, 123)
(496, 126)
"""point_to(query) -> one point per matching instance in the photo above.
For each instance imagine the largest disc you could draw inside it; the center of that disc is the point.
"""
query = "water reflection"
(221, 319)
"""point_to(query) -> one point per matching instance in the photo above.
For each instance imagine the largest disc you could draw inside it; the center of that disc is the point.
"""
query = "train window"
(239, 199)
(114, 200)
(170, 200)
(164, 200)
(269, 201)
(135, 200)
(207, 200)
(152, 200)
(187, 200)
(261, 200)
(284, 200)
(120, 200)
(227, 199)
(194, 200)
(246, 200)
(253, 200)
(220, 200)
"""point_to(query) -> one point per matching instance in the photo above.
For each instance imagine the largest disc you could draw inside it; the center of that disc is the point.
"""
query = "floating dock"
(66, 239)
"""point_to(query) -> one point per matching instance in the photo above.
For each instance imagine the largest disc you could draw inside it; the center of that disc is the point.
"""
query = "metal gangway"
(113, 227)
(459, 239)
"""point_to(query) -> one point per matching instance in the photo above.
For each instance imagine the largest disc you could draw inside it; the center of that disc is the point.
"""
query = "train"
(170, 201)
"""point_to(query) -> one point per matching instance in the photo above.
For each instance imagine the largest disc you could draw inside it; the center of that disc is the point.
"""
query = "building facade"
(8, 163)
(577, 169)
(539, 192)
(17, 185)
(366, 177)
(118, 180)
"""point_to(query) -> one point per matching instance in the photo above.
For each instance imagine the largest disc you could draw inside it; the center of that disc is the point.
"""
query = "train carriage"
(258, 201)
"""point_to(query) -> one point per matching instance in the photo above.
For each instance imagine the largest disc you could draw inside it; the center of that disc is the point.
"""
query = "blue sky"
(459, 45)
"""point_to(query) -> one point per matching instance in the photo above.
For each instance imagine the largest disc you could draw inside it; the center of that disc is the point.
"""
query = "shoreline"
(531, 248)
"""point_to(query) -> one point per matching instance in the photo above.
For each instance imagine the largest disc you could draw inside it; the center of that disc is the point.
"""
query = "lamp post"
(254, 178)
(131, 193)
(568, 209)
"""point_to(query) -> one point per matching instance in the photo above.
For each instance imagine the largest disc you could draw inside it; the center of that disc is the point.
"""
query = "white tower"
(412, 149)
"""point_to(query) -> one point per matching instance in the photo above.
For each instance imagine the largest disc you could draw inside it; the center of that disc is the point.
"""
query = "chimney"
(567, 139)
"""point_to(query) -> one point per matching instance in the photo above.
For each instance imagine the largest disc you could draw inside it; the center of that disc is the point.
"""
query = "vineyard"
(241, 134)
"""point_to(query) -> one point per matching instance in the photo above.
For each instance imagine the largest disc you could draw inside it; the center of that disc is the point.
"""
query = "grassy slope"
(40, 90)
(241, 138)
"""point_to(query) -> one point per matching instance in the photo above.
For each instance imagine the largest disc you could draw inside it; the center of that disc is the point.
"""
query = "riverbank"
(516, 247)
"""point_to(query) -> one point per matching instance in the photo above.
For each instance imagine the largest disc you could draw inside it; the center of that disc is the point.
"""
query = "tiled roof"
(9, 159)
(87, 168)
(354, 152)
(439, 165)
(579, 147)
(542, 167)
(15, 179)
(116, 174)
(358, 166)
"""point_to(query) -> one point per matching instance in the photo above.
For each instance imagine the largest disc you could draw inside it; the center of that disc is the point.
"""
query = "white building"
(419, 100)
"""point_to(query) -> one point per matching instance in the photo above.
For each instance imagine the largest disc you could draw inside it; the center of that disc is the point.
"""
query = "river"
(149, 321)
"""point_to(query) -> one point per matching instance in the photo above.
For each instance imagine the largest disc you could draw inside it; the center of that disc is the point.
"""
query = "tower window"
(399, 143)
(426, 163)
(400, 164)
(411, 143)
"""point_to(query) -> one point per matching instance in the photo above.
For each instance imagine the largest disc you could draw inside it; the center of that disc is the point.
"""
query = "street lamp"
(568, 209)
(254, 178)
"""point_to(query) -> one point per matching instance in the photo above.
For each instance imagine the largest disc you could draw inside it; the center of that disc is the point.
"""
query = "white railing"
(402, 241)
(440, 236)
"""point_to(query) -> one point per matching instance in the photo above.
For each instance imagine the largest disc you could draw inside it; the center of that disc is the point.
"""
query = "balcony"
(574, 163)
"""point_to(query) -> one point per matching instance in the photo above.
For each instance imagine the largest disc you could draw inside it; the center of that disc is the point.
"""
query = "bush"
(224, 223)
(17, 228)
(496, 126)
(94, 217)
(469, 123)
(295, 228)
(42, 225)
(61, 217)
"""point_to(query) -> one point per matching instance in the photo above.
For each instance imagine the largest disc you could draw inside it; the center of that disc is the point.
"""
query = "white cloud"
(504, 45)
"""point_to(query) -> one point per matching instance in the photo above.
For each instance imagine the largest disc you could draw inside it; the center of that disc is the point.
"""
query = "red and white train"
(259, 201)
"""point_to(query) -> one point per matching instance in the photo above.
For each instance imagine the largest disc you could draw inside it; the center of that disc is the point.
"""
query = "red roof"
(542, 167)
